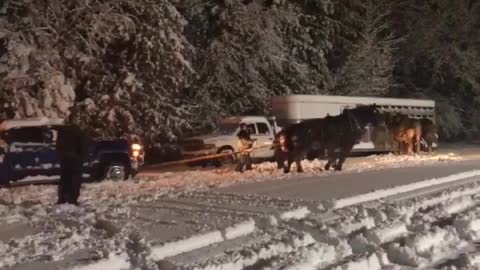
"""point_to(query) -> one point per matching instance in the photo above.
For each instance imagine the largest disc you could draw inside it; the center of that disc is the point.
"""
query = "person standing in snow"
(72, 147)
(245, 146)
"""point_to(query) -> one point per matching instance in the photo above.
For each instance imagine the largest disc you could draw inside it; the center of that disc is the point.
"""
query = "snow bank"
(347, 227)
(468, 225)
(299, 213)
(382, 193)
(241, 229)
(203, 240)
(249, 256)
(473, 260)
(113, 262)
(388, 233)
(314, 258)
(367, 263)
(423, 243)
(185, 245)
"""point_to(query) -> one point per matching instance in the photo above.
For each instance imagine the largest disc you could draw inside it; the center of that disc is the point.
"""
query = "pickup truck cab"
(28, 153)
(224, 139)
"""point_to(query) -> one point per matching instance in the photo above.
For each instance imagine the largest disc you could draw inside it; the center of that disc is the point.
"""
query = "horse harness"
(353, 122)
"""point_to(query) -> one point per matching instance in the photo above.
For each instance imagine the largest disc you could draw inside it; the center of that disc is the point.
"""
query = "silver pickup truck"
(224, 139)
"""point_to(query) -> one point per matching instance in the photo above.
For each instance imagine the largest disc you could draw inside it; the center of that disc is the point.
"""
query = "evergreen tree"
(440, 59)
(368, 70)
(123, 64)
(249, 51)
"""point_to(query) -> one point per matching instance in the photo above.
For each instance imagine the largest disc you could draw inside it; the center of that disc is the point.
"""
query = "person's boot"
(61, 197)
(239, 167)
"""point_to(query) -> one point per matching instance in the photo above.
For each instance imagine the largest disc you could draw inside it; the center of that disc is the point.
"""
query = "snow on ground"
(151, 224)
(267, 171)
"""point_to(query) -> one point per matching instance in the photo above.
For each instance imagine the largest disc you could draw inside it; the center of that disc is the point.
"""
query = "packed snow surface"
(165, 221)
(267, 171)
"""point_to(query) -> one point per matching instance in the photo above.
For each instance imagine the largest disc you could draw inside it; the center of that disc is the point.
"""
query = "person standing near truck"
(245, 146)
(72, 148)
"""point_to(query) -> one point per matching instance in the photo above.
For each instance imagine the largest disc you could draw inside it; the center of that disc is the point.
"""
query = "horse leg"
(405, 148)
(410, 147)
(397, 143)
(299, 163)
(343, 156)
(330, 158)
(289, 162)
(399, 147)
(418, 137)
(279, 159)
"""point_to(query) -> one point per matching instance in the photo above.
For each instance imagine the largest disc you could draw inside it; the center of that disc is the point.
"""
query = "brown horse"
(406, 131)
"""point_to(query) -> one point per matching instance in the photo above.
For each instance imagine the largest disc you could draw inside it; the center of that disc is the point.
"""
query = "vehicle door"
(27, 153)
(49, 156)
(264, 136)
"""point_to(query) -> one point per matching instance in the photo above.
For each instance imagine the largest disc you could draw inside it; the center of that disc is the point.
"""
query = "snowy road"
(219, 219)
(332, 185)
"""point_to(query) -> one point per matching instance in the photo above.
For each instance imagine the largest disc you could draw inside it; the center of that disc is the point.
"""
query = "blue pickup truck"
(27, 153)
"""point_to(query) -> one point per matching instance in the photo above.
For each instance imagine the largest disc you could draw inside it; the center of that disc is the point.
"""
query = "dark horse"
(333, 133)
(340, 133)
(292, 142)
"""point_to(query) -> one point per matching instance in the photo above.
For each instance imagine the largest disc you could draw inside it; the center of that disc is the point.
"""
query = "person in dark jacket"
(72, 147)
(245, 145)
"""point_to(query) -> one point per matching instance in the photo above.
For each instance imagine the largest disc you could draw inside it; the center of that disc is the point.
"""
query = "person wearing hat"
(245, 146)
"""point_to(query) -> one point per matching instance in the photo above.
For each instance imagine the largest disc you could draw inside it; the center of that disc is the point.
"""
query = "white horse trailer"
(296, 108)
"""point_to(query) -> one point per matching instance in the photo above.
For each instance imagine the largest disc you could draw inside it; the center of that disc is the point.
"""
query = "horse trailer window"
(263, 129)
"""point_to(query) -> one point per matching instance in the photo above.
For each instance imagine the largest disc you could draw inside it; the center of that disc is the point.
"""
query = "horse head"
(389, 118)
(365, 114)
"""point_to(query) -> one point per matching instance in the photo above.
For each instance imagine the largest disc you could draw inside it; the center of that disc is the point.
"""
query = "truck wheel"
(227, 159)
(116, 171)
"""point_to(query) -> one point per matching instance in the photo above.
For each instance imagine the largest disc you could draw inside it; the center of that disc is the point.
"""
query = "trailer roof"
(353, 100)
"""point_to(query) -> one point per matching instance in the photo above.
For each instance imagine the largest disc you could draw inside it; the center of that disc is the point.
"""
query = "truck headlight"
(136, 148)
